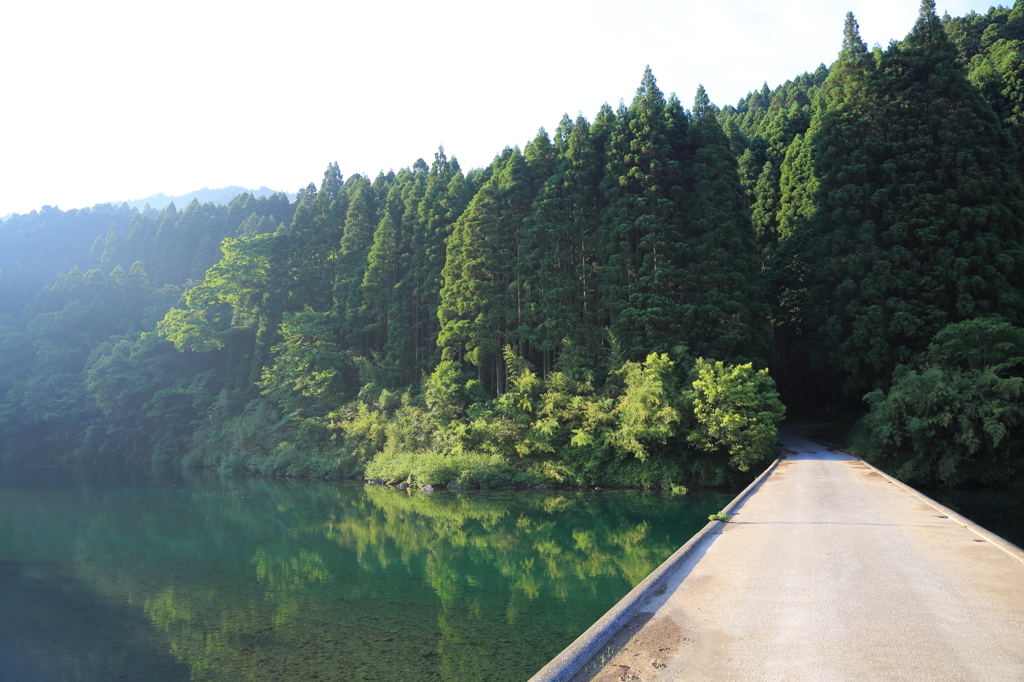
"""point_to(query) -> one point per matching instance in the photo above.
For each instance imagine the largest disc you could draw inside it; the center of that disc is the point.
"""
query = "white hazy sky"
(115, 100)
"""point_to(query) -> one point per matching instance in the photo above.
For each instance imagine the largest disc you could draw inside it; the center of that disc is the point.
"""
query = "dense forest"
(630, 300)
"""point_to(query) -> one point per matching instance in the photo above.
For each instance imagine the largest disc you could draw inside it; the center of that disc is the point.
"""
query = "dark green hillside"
(620, 303)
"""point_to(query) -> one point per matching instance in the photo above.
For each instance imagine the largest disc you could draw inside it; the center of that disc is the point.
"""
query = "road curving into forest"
(830, 571)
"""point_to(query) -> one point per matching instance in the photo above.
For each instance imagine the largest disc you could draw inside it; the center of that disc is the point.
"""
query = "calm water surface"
(108, 576)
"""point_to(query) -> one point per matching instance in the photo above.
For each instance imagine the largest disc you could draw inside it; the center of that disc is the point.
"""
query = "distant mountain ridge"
(219, 197)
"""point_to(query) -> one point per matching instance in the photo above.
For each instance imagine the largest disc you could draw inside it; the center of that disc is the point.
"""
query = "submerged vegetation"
(628, 301)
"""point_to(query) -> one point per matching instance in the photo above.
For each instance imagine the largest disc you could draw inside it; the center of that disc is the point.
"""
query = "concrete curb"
(575, 656)
(1003, 544)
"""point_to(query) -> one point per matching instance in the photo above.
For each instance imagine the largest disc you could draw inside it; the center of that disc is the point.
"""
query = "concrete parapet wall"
(575, 656)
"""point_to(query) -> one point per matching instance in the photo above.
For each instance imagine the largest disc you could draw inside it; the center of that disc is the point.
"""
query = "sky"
(115, 100)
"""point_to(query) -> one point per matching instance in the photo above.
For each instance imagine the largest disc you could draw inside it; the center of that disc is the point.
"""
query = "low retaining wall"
(575, 656)
(1003, 544)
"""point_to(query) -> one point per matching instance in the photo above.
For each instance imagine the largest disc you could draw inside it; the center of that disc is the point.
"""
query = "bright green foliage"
(632, 431)
(231, 292)
(999, 75)
(738, 410)
(448, 391)
(765, 122)
(960, 415)
(797, 189)
(510, 427)
(645, 414)
(991, 46)
(310, 369)
(191, 329)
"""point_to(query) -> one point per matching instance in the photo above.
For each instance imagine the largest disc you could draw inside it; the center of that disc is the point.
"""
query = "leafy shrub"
(633, 432)
(959, 416)
(738, 411)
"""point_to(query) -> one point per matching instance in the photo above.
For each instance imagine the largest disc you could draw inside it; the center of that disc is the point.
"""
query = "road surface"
(829, 572)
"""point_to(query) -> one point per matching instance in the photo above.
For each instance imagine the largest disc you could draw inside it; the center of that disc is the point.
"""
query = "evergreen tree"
(601, 129)
(14, 291)
(478, 311)
(560, 253)
(641, 277)
(724, 313)
(110, 251)
(96, 251)
(117, 280)
(138, 244)
(445, 197)
(998, 71)
(764, 211)
(386, 310)
(312, 242)
(136, 289)
(797, 190)
(920, 211)
(380, 279)
(166, 234)
(750, 172)
(350, 264)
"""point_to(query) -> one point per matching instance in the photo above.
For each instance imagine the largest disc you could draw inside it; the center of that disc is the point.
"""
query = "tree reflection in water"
(255, 579)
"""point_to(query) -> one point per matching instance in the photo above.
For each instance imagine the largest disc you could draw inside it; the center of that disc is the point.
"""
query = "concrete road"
(830, 572)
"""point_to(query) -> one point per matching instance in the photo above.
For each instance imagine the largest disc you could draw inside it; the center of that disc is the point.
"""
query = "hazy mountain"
(219, 196)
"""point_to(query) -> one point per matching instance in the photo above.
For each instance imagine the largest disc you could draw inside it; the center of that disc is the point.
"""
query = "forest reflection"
(538, 542)
(256, 579)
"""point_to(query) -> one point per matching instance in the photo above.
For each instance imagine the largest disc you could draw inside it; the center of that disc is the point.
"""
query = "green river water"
(109, 576)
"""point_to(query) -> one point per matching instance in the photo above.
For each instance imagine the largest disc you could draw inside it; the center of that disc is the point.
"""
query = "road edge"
(575, 656)
(1000, 542)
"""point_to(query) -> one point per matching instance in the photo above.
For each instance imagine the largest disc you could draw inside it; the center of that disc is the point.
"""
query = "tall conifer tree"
(724, 310)
(920, 205)
(641, 276)
(765, 209)
(350, 264)
(561, 241)
(478, 311)
(445, 196)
